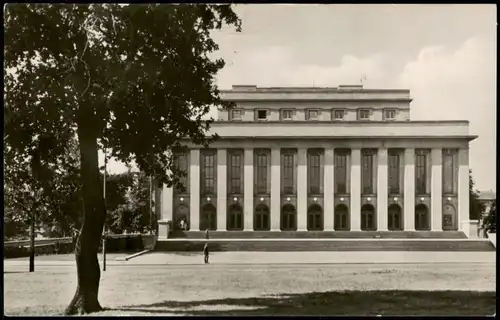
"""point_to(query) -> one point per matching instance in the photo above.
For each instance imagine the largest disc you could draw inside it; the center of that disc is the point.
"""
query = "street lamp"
(150, 205)
(105, 211)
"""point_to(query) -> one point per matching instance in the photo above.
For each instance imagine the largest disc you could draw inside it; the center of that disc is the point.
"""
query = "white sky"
(445, 54)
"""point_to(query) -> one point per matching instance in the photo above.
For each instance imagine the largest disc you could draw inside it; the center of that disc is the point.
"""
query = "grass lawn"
(441, 289)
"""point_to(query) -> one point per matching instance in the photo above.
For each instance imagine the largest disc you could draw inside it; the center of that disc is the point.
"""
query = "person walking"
(205, 252)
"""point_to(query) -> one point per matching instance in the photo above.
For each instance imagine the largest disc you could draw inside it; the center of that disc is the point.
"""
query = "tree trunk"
(87, 245)
(32, 242)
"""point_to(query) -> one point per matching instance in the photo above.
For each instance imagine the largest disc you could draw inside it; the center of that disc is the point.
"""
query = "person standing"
(206, 234)
(205, 252)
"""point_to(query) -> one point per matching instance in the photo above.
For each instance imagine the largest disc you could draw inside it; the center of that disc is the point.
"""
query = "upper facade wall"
(349, 103)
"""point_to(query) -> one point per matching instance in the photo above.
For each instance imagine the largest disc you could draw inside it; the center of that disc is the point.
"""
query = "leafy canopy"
(476, 206)
(143, 69)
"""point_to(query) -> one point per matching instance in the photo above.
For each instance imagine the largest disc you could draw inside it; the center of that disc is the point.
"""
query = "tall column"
(437, 190)
(221, 189)
(167, 203)
(194, 185)
(355, 190)
(275, 189)
(409, 190)
(382, 190)
(463, 189)
(329, 190)
(166, 211)
(248, 190)
(302, 189)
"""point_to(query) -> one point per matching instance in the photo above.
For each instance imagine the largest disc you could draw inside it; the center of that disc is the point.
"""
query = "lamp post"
(150, 205)
(32, 242)
(105, 213)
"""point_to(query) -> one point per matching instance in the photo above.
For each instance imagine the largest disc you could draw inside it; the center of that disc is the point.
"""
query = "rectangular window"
(341, 172)
(448, 171)
(338, 114)
(421, 172)
(262, 162)
(390, 114)
(314, 172)
(312, 114)
(287, 114)
(367, 172)
(235, 173)
(235, 114)
(181, 163)
(208, 173)
(394, 158)
(261, 114)
(364, 114)
(288, 167)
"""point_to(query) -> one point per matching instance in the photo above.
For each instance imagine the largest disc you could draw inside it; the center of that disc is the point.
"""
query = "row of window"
(315, 171)
(288, 219)
(312, 114)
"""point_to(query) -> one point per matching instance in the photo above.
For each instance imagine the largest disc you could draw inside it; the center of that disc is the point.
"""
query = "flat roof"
(340, 88)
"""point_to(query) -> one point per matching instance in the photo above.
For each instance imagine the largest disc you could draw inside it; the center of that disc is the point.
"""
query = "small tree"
(490, 222)
(476, 207)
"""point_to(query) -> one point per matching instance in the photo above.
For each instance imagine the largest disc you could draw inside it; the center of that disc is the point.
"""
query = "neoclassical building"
(323, 159)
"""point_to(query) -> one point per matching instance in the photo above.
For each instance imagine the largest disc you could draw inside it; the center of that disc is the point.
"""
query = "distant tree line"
(56, 205)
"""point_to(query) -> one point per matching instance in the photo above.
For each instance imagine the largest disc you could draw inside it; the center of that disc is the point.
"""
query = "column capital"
(382, 154)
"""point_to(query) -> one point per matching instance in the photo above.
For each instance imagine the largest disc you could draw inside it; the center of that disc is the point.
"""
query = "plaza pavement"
(249, 258)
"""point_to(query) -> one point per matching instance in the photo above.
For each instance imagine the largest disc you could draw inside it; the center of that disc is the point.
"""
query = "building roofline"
(309, 122)
(340, 88)
(317, 99)
(420, 137)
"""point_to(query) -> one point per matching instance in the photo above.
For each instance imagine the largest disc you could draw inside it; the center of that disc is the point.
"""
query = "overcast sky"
(445, 54)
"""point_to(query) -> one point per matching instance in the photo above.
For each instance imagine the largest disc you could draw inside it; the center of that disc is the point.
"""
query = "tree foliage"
(51, 199)
(490, 222)
(476, 207)
(137, 78)
(129, 207)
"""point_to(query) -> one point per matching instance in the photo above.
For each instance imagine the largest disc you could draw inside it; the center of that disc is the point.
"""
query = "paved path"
(321, 257)
(248, 258)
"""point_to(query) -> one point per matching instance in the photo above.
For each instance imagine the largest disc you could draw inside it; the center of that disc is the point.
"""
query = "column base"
(412, 230)
(163, 229)
(355, 229)
(436, 230)
(246, 230)
(301, 230)
(275, 230)
(383, 230)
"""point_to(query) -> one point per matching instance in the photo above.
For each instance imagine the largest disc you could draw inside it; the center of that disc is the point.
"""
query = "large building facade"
(323, 159)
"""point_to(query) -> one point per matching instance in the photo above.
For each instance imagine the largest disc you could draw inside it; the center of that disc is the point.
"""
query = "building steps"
(280, 245)
(319, 234)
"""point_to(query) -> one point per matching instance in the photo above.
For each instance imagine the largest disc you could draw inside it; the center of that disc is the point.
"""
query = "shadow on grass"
(335, 303)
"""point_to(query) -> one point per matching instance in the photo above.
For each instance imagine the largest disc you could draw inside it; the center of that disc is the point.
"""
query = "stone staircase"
(323, 241)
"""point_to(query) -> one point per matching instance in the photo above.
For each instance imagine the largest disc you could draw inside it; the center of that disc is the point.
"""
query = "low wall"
(493, 238)
(470, 228)
(114, 244)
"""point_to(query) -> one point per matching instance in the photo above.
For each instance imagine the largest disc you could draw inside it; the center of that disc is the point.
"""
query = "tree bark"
(85, 299)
